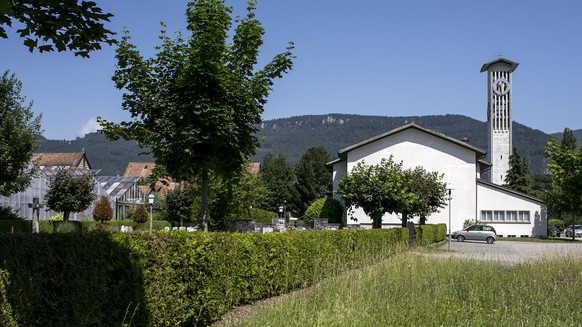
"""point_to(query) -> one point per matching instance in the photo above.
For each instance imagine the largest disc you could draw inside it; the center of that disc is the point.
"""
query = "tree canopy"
(277, 176)
(388, 188)
(47, 25)
(565, 165)
(19, 130)
(195, 104)
(70, 191)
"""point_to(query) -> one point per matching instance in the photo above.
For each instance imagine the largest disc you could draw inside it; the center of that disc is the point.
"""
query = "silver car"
(476, 233)
(576, 231)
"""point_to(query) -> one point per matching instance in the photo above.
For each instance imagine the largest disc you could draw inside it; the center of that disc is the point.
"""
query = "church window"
(487, 215)
(511, 215)
(499, 216)
(523, 216)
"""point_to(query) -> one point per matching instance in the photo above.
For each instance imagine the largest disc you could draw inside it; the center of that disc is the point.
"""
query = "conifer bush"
(103, 211)
(140, 215)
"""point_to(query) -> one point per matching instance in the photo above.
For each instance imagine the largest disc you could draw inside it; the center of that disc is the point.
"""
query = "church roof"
(479, 152)
(486, 66)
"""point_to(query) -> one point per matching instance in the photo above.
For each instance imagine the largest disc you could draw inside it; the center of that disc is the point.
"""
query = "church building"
(511, 213)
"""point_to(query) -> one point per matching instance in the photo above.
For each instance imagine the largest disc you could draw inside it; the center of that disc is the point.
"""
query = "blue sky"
(369, 57)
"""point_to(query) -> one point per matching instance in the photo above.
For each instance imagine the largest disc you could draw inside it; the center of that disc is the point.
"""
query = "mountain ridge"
(293, 135)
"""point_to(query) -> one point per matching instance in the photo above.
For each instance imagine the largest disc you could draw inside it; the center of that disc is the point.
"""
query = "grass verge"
(417, 290)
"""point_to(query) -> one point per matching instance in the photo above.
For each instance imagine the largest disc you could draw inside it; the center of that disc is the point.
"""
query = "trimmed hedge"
(172, 279)
(428, 234)
(50, 226)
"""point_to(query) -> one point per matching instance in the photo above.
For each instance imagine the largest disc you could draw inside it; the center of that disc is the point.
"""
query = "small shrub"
(7, 213)
(57, 217)
(559, 223)
(261, 216)
(140, 215)
(103, 211)
(67, 227)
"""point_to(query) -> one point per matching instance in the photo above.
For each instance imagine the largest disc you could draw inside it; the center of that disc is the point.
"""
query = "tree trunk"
(66, 215)
(404, 219)
(377, 220)
(205, 201)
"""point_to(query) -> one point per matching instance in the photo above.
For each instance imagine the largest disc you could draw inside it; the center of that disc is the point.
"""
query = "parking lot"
(512, 252)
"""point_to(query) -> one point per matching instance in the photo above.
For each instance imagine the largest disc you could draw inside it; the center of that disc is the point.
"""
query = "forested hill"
(292, 136)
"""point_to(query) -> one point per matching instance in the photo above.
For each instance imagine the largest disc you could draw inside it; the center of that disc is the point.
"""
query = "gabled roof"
(140, 169)
(508, 190)
(486, 66)
(70, 159)
(478, 152)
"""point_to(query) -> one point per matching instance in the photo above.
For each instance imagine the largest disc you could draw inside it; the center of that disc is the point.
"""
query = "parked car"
(476, 233)
(576, 230)
(555, 231)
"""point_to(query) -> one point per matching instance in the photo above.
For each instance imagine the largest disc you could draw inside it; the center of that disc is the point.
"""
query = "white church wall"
(511, 214)
(417, 148)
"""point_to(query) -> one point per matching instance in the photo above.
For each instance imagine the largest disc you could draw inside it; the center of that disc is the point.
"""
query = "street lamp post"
(151, 202)
(450, 189)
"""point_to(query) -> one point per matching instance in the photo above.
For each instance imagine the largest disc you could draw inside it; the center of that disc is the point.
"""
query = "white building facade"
(461, 165)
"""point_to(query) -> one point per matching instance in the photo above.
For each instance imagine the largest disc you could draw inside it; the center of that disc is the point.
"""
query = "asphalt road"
(512, 252)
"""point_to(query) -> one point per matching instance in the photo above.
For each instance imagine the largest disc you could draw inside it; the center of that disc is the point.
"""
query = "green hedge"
(169, 279)
(427, 234)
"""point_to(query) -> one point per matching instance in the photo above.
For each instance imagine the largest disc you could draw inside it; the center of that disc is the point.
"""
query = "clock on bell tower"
(499, 116)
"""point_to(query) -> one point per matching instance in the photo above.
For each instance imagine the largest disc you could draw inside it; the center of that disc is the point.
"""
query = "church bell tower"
(499, 117)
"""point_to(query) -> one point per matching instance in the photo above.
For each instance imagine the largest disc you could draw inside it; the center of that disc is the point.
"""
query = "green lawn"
(419, 289)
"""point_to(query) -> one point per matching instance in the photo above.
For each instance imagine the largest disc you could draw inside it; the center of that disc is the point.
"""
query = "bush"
(140, 215)
(103, 211)
(7, 213)
(57, 217)
(66, 227)
(16, 226)
(261, 216)
(559, 223)
(325, 208)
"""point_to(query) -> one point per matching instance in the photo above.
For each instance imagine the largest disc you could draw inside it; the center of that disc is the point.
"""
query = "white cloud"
(90, 126)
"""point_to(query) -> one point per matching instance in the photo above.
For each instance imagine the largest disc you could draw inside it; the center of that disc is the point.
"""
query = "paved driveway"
(511, 252)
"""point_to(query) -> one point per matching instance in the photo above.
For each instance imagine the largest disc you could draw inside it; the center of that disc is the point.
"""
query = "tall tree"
(76, 26)
(313, 177)
(568, 141)
(70, 190)
(565, 165)
(197, 102)
(19, 130)
(387, 188)
(518, 175)
(278, 178)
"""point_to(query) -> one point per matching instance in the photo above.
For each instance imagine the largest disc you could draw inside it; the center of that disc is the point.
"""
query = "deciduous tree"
(197, 102)
(19, 130)
(565, 165)
(388, 188)
(47, 25)
(70, 191)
